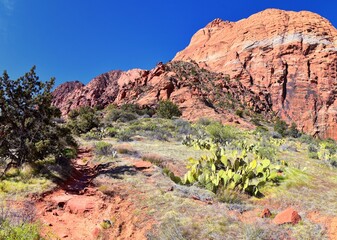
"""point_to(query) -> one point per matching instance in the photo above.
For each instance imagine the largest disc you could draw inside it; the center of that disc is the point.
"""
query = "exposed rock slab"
(291, 55)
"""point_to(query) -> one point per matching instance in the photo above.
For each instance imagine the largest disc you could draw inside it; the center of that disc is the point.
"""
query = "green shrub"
(281, 127)
(28, 129)
(110, 132)
(136, 109)
(204, 121)
(183, 126)
(70, 153)
(22, 231)
(124, 135)
(82, 120)
(119, 115)
(93, 134)
(104, 149)
(167, 109)
(239, 112)
(293, 132)
(221, 133)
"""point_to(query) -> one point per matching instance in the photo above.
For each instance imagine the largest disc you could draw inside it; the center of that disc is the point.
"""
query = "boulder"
(287, 216)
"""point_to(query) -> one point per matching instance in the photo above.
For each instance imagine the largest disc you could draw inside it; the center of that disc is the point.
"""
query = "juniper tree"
(28, 131)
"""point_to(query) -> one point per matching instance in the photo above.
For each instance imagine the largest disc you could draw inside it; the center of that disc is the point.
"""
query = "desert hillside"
(232, 139)
(286, 59)
(290, 55)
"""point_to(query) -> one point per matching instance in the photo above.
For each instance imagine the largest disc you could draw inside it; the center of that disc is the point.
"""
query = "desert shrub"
(312, 151)
(239, 113)
(27, 127)
(167, 109)
(93, 134)
(293, 131)
(266, 150)
(275, 135)
(17, 222)
(256, 121)
(135, 108)
(304, 138)
(160, 134)
(221, 133)
(110, 132)
(281, 127)
(289, 146)
(70, 153)
(23, 231)
(119, 115)
(204, 121)
(104, 149)
(148, 126)
(261, 130)
(124, 135)
(183, 126)
(82, 120)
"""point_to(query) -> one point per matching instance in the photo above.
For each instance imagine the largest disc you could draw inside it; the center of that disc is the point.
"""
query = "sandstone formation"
(198, 92)
(274, 60)
(289, 215)
(291, 55)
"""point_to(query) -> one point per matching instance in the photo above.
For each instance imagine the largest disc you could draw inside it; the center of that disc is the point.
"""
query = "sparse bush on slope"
(82, 120)
(167, 109)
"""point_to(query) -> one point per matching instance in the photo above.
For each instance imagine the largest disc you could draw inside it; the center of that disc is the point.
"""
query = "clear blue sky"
(80, 39)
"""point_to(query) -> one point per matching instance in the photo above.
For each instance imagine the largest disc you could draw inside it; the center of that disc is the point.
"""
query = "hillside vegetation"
(161, 177)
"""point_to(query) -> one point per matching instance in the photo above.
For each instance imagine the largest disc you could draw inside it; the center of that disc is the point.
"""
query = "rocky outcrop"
(100, 91)
(274, 60)
(291, 55)
(198, 92)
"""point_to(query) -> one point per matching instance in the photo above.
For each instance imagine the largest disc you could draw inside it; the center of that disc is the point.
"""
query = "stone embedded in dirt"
(96, 232)
(81, 204)
(61, 200)
(287, 216)
(265, 213)
(142, 164)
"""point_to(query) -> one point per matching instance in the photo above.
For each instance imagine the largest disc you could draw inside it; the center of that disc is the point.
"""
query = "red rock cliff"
(291, 55)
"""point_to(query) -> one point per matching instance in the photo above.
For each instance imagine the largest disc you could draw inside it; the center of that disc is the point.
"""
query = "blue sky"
(80, 39)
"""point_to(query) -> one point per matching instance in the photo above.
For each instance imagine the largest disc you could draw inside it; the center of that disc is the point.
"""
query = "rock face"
(198, 92)
(274, 60)
(101, 91)
(291, 55)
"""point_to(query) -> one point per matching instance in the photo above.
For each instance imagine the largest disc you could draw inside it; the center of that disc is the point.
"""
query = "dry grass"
(125, 148)
(309, 185)
(155, 159)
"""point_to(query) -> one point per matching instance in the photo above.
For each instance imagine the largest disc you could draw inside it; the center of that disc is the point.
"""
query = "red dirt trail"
(77, 210)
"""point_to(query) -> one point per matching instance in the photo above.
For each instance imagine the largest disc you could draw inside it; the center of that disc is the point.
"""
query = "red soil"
(77, 210)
